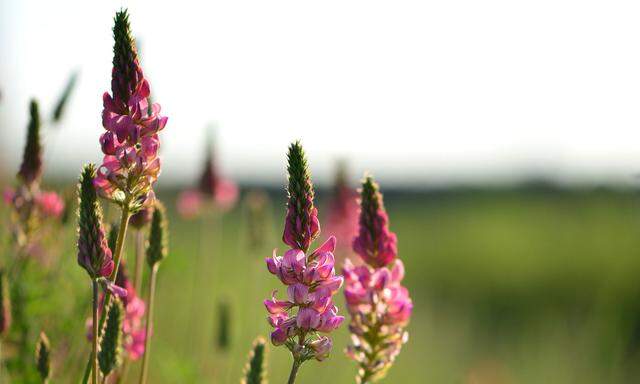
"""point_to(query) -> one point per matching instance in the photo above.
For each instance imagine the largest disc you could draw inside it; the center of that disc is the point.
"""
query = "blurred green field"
(509, 286)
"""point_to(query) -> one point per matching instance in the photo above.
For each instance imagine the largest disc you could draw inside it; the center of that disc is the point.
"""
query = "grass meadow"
(526, 285)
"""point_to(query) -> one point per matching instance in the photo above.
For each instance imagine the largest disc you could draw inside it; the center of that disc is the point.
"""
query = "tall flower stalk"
(5, 314)
(94, 254)
(213, 193)
(342, 220)
(139, 221)
(43, 358)
(130, 143)
(255, 372)
(31, 207)
(156, 252)
(379, 305)
(309, 312)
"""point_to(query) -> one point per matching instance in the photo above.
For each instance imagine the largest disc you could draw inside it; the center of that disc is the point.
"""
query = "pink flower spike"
(50, 204)
(310, 277)
(375, 297)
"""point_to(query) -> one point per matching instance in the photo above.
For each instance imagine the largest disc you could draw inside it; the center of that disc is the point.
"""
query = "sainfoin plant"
(302, 321)
(379, 305)
(130, 145)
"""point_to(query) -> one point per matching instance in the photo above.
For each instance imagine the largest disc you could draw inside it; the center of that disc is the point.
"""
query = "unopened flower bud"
(255, 371)
(110, 353)
(31, 167)
(43, 357)
(158, 236)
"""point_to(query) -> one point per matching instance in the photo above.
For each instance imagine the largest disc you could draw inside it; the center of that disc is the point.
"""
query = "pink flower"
(189, 204)
(212, 188)
(342, 220)
(226, 194)
(50, 204)
(130, 144)
(321, 346)
(8, 195)
(310, 277)
(375, 297)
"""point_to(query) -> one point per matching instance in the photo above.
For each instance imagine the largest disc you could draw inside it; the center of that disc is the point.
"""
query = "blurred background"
(504, 136)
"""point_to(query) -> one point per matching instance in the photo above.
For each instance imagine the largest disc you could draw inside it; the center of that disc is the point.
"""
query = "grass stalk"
(148, 325)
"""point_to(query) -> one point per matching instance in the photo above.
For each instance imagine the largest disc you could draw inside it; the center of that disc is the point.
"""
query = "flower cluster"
(130, 144)
(30, 204)
(311, 282)
(212, 187)
(375, 243)
(379, 305)
(309, 276)
(133, 331)
(44, 204)
(342, 220)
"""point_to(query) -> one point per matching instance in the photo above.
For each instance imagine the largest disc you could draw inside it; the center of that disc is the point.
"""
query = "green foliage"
(5, 304)
(110, 352)
(64, 98)
(255, 371)
(158, 236)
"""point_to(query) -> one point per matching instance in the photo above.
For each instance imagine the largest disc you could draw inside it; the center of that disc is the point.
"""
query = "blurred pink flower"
(8, 195)
(189, 203)
(342, 220)
(50, 204)
(133, 330)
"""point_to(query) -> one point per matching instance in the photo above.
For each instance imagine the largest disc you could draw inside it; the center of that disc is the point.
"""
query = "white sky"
(415, 91)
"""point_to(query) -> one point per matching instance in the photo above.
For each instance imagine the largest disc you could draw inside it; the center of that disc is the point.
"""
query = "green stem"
(122, 233)
(137, 276)
(94, 354)
(124, 371)
(294, 371)
(147, 339)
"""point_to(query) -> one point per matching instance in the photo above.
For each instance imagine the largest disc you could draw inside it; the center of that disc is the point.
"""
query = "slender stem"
(147, 337)
(124, 371)
(137, 276)
(294, 371)
(122, 233)
(94, 354)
